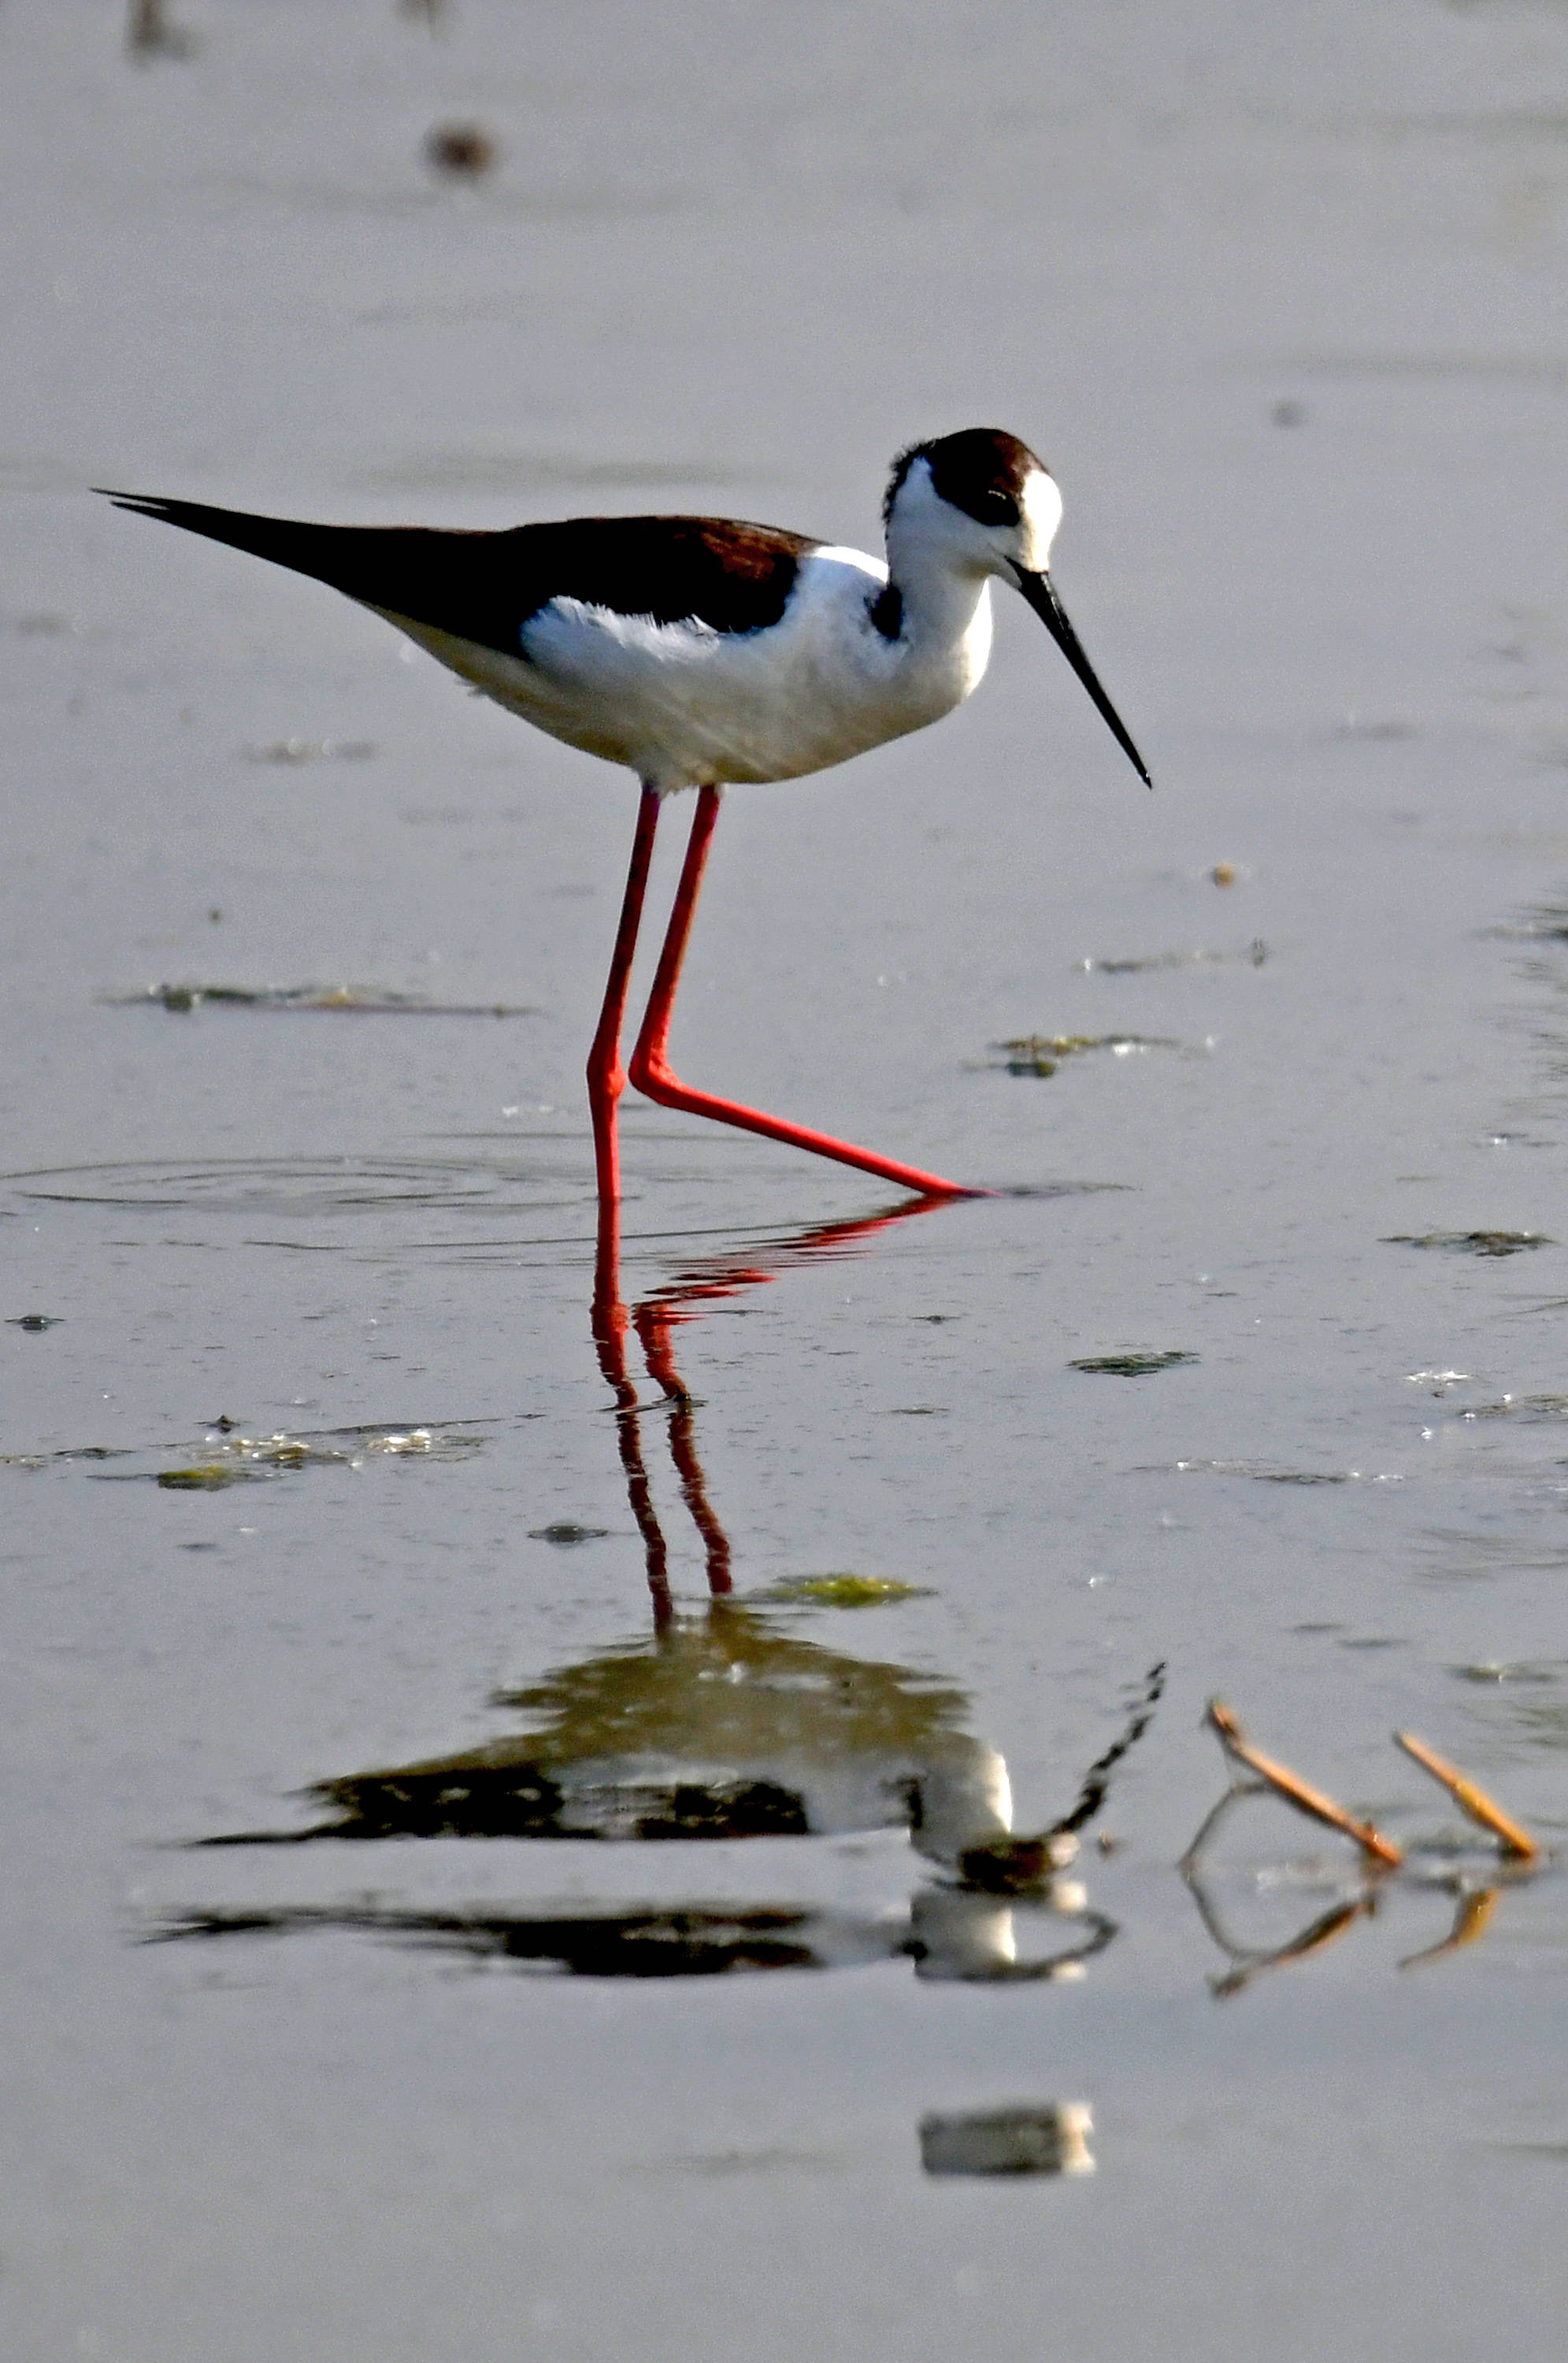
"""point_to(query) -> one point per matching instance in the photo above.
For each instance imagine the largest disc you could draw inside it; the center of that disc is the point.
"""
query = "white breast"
(682, 705)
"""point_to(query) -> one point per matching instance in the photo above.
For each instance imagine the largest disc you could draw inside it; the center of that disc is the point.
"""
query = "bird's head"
(982, 502)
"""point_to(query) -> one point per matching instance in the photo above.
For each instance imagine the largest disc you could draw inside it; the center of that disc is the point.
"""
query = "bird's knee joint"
(648, 1073)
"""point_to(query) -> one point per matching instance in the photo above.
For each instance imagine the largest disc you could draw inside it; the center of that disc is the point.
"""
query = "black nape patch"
(981, 470)
(887, 611)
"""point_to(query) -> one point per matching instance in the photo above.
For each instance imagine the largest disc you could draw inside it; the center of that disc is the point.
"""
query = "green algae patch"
(846, 1590)
(1042, 1054)
(1475, 1243)
(353, 1000)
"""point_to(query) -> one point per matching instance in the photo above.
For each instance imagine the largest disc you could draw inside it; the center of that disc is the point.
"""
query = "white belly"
(683, 706)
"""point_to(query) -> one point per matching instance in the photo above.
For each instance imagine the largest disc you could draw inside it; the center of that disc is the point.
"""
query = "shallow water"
(605, 1670)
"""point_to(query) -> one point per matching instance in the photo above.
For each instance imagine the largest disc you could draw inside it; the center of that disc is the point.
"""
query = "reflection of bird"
(700, 652)
(947, 1933)
(722, 1726)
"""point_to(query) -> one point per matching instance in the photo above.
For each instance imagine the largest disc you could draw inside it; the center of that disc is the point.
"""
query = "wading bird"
(701, 652)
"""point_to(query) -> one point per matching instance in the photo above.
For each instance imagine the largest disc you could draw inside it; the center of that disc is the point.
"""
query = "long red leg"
(606, 1076)
(650, 1071)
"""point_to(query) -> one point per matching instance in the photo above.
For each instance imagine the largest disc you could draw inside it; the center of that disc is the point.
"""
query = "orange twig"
(1471, 1800)
(1284, 1784)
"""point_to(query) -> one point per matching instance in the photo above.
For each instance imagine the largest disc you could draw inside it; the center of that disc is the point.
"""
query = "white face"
(921, 517)
(1042, 507)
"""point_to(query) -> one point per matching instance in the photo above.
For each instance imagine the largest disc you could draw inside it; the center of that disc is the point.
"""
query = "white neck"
(940, 608)
(944, 585)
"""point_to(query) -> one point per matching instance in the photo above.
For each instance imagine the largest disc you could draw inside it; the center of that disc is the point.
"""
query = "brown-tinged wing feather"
(484, 587)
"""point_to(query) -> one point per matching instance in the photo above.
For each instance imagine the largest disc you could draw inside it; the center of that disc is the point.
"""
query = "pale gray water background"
(731, 257)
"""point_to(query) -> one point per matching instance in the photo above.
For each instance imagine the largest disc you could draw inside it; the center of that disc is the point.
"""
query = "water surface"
(617, 1703)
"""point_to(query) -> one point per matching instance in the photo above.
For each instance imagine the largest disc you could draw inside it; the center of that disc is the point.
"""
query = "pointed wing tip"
(139, 504)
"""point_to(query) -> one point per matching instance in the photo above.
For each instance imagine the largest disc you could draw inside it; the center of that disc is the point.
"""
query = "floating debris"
(1495, 1669)
(1256, 954)
(1053, 2139)
(1262, 1473)
(565, 1533)
(1474, 1904)
(1223, 873)
(70, 1453)
(343, 1447)
(1514, 1840)
(1377, 732)
(1475, 1243)
(1546, 925)
(846, 1590)
(1042, 1054)
(464, 150)
(1532, 1409)
(40, 626)
(352, 1000)
(312, 750)
(34, 1321)
(1294, 1791)
(1132, 1365)
(235, 1458)
(150, 35)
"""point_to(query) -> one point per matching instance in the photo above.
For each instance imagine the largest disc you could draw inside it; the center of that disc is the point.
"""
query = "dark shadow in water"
(947, 1932)
(726, 1723)
(723, 1725)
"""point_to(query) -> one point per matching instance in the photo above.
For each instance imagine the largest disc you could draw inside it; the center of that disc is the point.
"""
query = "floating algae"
(1132, 1365)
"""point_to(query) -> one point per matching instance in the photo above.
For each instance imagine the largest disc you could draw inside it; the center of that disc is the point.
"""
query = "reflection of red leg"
(649, 1069)
(609, 1321)
(654, 1319)
(606, 1077)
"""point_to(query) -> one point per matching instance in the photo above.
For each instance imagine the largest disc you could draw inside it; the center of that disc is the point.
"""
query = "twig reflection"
(1473, 1913)
(1382, 1866)
(1249, 1961)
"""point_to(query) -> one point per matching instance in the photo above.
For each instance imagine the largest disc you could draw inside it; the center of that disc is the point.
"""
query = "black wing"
(484, 586)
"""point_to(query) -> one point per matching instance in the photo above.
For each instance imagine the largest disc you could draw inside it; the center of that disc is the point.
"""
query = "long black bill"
(1041, 594)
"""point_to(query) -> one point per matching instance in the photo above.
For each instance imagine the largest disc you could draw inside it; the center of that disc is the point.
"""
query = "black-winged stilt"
(701, 652)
